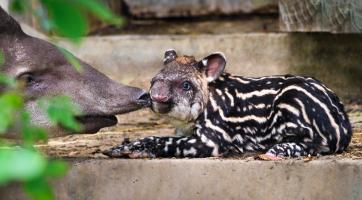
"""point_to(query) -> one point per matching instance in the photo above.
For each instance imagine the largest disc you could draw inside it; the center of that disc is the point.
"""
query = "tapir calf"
(281, 116)
(46, 72)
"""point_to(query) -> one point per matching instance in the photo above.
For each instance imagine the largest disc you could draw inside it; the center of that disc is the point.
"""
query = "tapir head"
(45, 71)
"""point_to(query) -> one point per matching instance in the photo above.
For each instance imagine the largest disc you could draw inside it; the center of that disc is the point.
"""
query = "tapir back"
(259, 112)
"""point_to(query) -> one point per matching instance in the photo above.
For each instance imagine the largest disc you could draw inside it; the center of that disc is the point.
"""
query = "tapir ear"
(170, 55)
(8, 24)
(213, 65)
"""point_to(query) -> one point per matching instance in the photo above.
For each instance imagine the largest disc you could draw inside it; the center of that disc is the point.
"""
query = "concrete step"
(108, 179)
(135, 59)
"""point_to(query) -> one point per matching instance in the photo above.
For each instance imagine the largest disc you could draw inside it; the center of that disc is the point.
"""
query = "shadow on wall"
(334, 59)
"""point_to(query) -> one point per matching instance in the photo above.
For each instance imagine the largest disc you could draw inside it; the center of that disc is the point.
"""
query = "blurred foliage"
(71, 59)
(67, 18)
(22, 162)
(12, 164)
(60, 109)
(10, 103)
(1, 57)
(7, 80)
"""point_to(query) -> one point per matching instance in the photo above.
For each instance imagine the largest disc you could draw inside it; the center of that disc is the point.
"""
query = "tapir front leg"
(152, 147)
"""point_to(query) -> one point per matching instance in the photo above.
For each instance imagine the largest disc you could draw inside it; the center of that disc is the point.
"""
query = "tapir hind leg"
(291, 149)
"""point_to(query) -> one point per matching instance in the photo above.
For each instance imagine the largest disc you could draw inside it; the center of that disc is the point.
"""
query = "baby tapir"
(282, 116)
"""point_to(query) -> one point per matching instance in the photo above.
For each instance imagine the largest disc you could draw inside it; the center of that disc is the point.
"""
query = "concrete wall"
(105, 179)
(192, 8)
(333, 59)
(316, 16)
(4, 4)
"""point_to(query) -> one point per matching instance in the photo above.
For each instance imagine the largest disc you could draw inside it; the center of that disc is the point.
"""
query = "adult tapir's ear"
(8, 24)
(170, 55)
(213, 65)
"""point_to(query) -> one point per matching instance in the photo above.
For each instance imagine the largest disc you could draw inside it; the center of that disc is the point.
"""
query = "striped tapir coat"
(282, 116)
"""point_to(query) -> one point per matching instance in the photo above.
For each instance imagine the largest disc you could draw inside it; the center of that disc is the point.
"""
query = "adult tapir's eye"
(27, 79)
(186, 85)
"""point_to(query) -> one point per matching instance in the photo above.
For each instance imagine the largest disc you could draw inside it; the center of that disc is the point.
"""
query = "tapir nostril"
(159, 98)
(145, 96)
(144, 99)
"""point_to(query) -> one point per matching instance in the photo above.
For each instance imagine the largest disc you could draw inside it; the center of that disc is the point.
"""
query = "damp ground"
(145, 123)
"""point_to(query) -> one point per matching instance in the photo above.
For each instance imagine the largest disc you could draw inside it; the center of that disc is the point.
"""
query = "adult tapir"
(46, 72)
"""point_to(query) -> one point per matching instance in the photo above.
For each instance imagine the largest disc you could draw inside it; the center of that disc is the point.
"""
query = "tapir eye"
(26, 79)
(186, 86)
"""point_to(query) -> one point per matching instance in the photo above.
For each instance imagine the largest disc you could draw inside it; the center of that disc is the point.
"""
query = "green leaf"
(56, 168)
(20, 164)
(18, 5)
(2, 58)
(68, 20)
(100, 10)
(6, 80)
(32, 134)
(39, 189)
(10, 104)
(71, 59)
(43, 19)
(61, 110)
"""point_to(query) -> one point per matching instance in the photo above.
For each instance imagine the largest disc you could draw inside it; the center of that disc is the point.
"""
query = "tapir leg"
(151, 147)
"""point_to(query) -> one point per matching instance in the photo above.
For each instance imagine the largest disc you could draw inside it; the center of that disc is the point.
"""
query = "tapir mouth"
(92, 124)
(161, 108)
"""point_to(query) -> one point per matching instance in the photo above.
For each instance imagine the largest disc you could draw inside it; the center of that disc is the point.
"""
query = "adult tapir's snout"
(103, 96)
(100, 98)
(46, 72)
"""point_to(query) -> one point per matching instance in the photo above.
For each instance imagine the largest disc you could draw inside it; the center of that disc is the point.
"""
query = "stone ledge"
(109, 179)
(192, 8)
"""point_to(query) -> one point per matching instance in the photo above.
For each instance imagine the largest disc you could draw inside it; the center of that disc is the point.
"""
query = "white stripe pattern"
(323, 106)
(257, 93)
(260, 120)
(289, 108)
(239, 80)
(218, 129)
(230, 97)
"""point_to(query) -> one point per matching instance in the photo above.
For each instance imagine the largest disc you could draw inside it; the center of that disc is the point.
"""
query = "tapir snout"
(46, 72)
